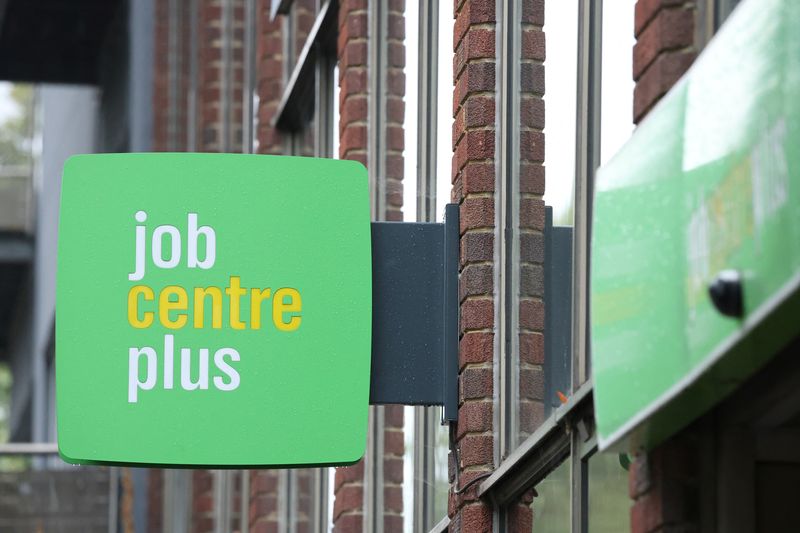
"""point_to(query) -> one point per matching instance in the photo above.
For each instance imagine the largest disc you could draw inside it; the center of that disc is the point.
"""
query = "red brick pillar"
(202, 501)
(665, 48)
(352, 53)
(354, 75)
(263, 510)
(661, 482)
(269, 79)
(155, 499)
(264, 500)
(216, 79)
(474, 177)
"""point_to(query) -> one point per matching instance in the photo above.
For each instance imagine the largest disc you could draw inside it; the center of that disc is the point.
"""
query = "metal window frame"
(377, 52)
(426, 418)
(507, 208)
(587, 157)
(568, 433)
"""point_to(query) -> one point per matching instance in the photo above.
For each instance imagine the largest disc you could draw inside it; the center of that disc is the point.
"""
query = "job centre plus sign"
(175, 312)
(213, 309)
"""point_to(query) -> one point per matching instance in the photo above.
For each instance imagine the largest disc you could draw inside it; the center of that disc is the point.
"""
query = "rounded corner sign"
(213, 309)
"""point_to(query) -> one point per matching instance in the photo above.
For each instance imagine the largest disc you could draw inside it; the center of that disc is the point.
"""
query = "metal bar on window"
(323, 145)
(425, 418)
(376, 128)
(442, 526)
(540, 453)
(376, 159)
(427, 93)
(320, 501)
(579, 486)
(373, 471)
(222, 501)
(587, 160)
(507, 310)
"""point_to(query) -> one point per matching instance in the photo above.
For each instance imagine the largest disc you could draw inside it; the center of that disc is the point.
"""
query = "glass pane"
(410, 117)
(551, 508)
(560, 102)
(408, 467)
(444, 108)
(616, 124)
(337, 92)
(609, 504)
(441, 485)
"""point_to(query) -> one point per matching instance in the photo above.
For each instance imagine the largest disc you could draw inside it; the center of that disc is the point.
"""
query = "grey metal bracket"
(415, 313)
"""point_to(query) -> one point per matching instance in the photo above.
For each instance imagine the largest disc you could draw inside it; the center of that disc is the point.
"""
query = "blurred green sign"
(213, 309)
(709, 182)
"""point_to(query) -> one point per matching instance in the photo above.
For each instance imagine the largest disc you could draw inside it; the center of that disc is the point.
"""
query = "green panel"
(298, 393)
(709, 181)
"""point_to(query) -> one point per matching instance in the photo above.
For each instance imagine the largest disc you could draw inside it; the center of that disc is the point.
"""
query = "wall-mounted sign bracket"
(415, 313)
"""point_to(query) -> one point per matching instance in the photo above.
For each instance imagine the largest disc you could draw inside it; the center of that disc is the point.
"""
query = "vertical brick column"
(269, 79)
(155, 499)
(353, 50)
(663, 482)
(264, 500)
(161, 75)
(474, 177)
(172, 34)
(352, 53)
(202, 501)
(665, 48)
(214, 75)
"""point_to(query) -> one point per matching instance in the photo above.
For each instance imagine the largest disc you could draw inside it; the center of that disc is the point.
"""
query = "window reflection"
(609, 505)
(551, 508)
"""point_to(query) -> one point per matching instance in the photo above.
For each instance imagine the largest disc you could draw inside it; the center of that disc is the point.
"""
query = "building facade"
(442, 102)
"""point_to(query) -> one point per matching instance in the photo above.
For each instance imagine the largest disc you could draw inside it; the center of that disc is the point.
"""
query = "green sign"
(213, 309)
(709, 182)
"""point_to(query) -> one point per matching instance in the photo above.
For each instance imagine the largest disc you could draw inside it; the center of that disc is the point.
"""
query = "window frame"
(568, 433)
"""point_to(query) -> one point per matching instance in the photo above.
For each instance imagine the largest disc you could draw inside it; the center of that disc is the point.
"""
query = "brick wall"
(663, 483)
(665, 48)
(264, 500)
(269, 79)
(352, 52)
(202, 501)
(172, 34)
(213, 76)
(474, 176)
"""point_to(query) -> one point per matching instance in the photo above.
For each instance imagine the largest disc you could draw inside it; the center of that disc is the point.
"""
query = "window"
(427, 161)
(547, 440)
